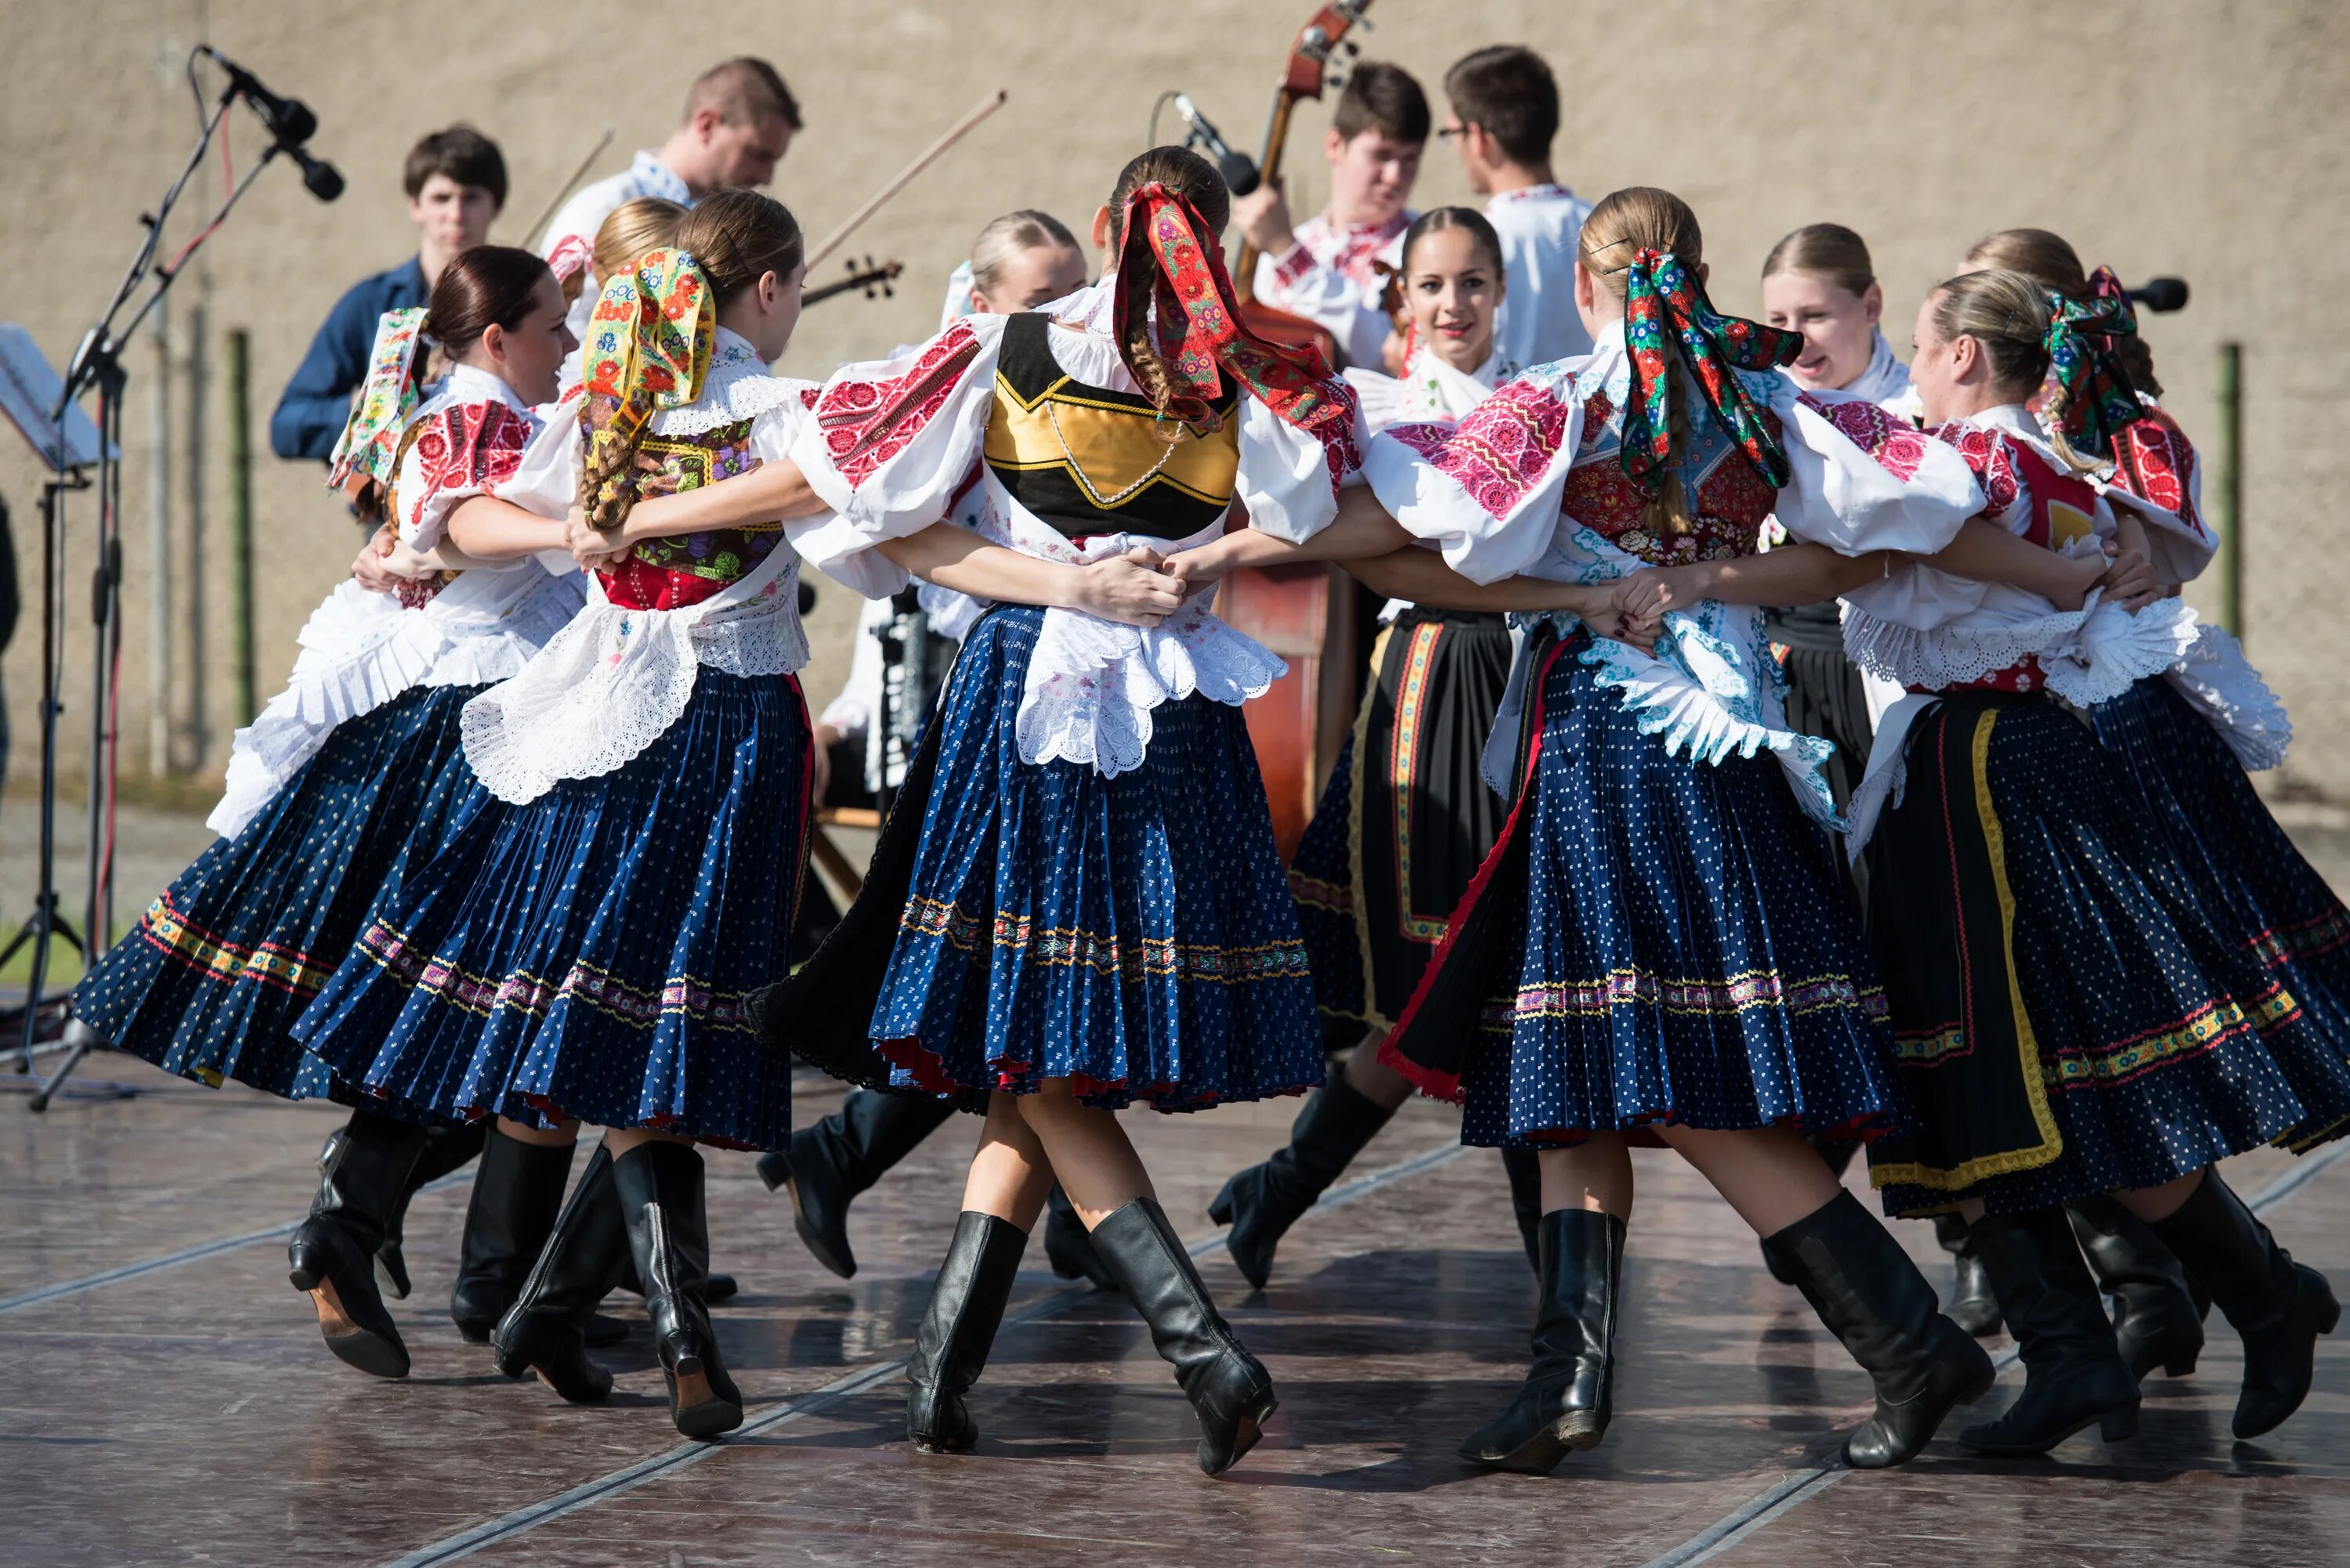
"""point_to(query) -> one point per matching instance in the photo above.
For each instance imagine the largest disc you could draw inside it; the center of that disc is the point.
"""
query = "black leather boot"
(1068, 1248)
(2278, 1306)
(517, 1192)
(1264, 1200)
(332, 1254)
(1523, 1168)
(2074, 1373)
(669, 1235)
(1229, 1389)
(1570, 1393)
(1973, 1304)
(1874, 1300)
(2155, 1323)
(545, 1329)
(828, 1164)
(445, 1149)
(959, 1329)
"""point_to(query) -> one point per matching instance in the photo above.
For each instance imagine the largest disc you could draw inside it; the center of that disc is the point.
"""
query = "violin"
(1305, 612)
(874, 279)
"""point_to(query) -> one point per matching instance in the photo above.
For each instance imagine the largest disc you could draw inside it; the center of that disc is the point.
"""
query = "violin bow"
(530, 242)
(929, 155)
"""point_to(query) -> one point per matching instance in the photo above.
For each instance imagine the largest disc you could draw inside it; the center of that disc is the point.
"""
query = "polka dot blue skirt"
(588, 956)
(1132, 934)
(221, 965)
(2243, 865)
(2071, 1015)
(1655, 940)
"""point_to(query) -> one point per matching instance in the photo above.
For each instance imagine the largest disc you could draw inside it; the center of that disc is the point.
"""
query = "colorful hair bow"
(649, 346)
(2096, 399)
(1665, 305)
(389, 394)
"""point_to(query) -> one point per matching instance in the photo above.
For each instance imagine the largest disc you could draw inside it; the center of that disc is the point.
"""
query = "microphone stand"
(97, 363)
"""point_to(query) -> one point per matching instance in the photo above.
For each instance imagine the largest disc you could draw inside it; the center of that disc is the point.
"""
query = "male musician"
(739, 122)
(1501, 116)
(1325, 268)
(456, 183)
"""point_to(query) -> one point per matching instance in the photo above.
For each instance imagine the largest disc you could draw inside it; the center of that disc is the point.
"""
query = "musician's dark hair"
(1508, 90)
(1382, 98)
(465, 155)
(2048, 257)
(1824, 250)
(1468, 220)
(1192, 176)
(489, 285)
(742, 90)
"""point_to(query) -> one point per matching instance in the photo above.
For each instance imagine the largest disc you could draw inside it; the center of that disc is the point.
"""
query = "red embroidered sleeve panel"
(1897, 446)
(467, 446)
(867, 423)
(2155, 459)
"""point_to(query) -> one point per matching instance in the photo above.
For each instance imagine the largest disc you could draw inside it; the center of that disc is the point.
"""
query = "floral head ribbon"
(1169, 263)
(2096, 400)
(648, 345)
(387, 396)
(569, 262)
(1665, 309)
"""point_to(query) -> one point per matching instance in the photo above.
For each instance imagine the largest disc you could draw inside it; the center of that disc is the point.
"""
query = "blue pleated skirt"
(209, 982)
(2073, 1015)
(588, 956)
(2243, 865)
(1654, 939)
(1133, 935)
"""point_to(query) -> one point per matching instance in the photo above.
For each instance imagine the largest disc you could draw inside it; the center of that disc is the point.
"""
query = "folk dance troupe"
(1767, 750)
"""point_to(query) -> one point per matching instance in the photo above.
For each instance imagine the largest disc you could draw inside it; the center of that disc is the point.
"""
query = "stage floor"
(165, 1397)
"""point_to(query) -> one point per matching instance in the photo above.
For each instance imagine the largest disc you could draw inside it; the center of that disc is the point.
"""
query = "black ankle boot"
(959, 1329)
(1570, 1393)
(1068, 1248)
(1264, 1200)
(2155, 1323)
(2278, 1306)
(545, 1329)
(1973, 1304)
(332, 1254)
(1874, 1300)
(516, 1191)
(2074, 1373)
(445, 1149)
(1523, 1168)
(661, 1200)
(1229, 1390)
(828, 1164)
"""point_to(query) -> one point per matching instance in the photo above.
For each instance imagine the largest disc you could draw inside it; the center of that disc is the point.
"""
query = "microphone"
(289, 122)
(2161, 294)
(1239, 171)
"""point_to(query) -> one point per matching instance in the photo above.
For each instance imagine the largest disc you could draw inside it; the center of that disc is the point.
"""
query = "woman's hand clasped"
(1132, 588)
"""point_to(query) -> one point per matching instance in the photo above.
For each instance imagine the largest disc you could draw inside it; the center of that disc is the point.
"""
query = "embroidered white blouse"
(1331, 276)
(1540, 227)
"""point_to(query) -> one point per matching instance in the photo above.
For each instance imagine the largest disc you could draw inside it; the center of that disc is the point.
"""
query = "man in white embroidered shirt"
(739, 122)
(1327, 269)
(1501, 116)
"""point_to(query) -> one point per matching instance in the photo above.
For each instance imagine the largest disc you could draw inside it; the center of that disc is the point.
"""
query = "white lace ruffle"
(361, 649)
(733, 393)
(1091, 683)
(2115, 648)
(613, 682)
(1952, 656)
(2221, 685)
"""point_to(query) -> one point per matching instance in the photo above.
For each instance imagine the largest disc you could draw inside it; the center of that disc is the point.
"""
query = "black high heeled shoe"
(826, 1166)
(331, 1257)
(1569, 1393)
(661, 1190)
(2279, 1307)
(1230, 1389)
(958, 1330)
(2157, 1324)
(1874, 1300)
(545, 1331)
(1068, 1248)
(2074, 1373)
(1264, 1201)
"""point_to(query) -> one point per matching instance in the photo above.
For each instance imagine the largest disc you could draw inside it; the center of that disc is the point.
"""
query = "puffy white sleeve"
(775, 436)
(890, 442)
(546, 480)
(1289, 479)
(1487, 491)
(1862, 479)
(462, 450)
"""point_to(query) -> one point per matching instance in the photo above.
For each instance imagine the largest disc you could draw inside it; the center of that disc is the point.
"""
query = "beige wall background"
(2186, 137)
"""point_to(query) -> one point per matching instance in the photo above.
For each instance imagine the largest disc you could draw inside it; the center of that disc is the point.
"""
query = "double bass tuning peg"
(1351, 47)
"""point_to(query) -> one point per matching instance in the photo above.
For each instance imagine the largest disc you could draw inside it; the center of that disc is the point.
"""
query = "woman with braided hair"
(1077, 905)
(2075, 1015)
(623, 876)
(1660, 946)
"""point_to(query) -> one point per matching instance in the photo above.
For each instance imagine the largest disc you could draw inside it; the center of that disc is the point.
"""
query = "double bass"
(1305, 612)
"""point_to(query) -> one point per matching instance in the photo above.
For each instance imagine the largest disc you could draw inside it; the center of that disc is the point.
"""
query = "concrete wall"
(2197, 139)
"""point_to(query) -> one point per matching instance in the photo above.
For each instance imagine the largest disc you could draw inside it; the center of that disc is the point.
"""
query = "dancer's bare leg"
(1770, 1174)
(1009, 1173)
(1595, 1174)
(1086, 1148)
